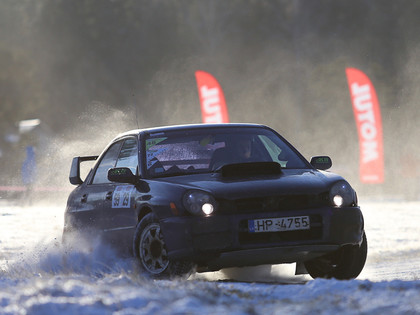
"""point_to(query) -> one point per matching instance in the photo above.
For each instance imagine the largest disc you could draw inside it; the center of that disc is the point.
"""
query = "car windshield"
(207, 150)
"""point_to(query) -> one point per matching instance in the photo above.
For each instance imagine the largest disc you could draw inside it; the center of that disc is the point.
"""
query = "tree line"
(280, 63)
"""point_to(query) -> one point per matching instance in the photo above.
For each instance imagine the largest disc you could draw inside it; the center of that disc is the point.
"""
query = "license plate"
(279, 224)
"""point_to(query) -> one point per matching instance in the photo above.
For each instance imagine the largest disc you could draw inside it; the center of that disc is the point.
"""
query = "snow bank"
(127, 294)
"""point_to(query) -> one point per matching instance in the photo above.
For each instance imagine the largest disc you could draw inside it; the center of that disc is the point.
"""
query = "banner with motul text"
(212, 100)
(369, 125)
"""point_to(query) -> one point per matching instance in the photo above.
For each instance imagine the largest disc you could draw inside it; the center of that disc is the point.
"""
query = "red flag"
(212, 100)
(369, 125)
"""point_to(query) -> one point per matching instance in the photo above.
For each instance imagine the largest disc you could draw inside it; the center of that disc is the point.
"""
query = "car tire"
(344, 264)
(150, 250)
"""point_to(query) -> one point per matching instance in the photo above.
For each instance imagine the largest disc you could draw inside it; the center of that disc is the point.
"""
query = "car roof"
(188, 127)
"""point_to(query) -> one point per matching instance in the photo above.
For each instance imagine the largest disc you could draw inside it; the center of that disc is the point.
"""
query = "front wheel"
(149, 247)
(344, 264)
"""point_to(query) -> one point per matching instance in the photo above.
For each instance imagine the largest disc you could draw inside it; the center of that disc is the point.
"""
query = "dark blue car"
(210, 196)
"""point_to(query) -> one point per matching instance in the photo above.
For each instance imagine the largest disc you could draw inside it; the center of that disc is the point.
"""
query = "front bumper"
(222, 241)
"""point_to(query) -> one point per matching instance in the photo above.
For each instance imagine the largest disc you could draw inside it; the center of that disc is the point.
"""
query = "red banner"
(369, 125)
(212, 100)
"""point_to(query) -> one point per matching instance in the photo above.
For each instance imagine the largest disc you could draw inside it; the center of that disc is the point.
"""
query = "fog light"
(199, 202)
(207, 208)
(342, 195)
(338, 200)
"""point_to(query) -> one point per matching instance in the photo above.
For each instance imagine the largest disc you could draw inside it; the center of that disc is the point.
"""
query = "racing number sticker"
(121, 198)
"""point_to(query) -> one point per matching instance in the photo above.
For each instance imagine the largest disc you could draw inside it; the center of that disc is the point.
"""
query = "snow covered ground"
(36, 279)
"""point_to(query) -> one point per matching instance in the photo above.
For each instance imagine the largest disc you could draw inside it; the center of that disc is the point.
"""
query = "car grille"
(273, 203)
(314, 233)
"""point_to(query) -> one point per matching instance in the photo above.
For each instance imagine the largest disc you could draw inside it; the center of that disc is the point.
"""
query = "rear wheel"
(150, 249)
(344, 264)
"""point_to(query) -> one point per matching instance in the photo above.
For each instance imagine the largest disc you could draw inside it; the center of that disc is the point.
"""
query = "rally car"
(210, 196)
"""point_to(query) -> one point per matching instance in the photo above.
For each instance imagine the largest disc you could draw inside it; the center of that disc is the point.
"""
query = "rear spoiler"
(75, 168)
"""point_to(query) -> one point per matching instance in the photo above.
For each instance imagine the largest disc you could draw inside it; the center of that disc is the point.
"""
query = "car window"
(274, 151)
(280, 152)
(177, 153)
(107, 162)
(129, 155)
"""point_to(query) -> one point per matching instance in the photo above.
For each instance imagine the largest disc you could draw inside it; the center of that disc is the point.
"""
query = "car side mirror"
(321, 162)
(122, 175)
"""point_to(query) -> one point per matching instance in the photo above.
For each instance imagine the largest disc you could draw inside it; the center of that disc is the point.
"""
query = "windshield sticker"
(151, 163)
(151, 156)
(206, 141)
(121, 198)
(152, 142)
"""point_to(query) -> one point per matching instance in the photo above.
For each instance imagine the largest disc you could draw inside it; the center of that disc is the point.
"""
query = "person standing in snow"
(29, 171)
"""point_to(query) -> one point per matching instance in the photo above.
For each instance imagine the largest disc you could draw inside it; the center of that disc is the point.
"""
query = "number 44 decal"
(121, 197)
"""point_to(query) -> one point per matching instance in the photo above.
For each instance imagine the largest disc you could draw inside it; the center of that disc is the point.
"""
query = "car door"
(92, 196)
(119, 219)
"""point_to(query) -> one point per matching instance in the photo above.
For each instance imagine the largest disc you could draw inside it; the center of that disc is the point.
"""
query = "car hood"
(290, 181)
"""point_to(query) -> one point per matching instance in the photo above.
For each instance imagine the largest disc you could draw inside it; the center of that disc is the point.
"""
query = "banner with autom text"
(212, 100)
(369, 125)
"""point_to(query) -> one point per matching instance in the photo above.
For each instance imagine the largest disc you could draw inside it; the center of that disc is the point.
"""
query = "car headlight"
(342, 195)
(199, 202)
